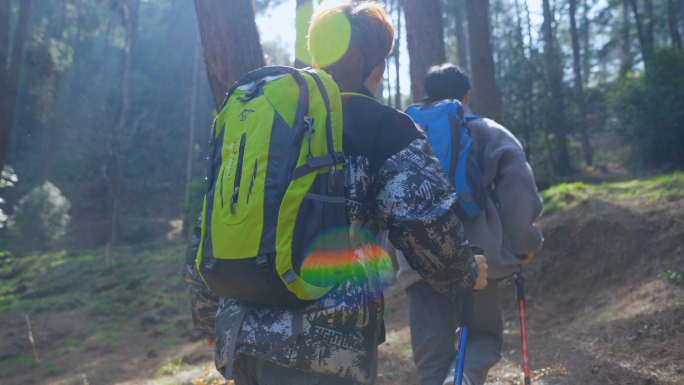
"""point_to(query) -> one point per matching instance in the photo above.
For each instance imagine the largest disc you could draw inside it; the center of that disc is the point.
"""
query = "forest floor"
(604, 304)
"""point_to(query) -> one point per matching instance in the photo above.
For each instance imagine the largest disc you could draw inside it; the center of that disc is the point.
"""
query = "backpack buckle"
(209, 265)
(254, 91)
(262, 264)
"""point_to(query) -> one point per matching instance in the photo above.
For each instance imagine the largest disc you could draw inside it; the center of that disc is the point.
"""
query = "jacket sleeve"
(414, 201)
(204, 302)
(519, 204)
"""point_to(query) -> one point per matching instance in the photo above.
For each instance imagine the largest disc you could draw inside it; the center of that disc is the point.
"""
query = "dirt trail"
(598, 312)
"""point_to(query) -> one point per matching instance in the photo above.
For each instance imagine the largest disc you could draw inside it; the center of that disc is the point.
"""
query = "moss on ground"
(568, 195)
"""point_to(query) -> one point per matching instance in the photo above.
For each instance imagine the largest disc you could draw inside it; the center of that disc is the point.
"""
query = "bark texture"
(484, 96)
(425, 38)
(644, 23)
(122, 133)
(672, 23)
(231, 42)
(579, 90)
(461, 40)
(554, 69)
(397, 44)
(626, 61)
(10, 65)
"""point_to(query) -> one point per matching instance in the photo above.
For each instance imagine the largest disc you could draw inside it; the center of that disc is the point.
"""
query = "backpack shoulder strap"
(354, 94)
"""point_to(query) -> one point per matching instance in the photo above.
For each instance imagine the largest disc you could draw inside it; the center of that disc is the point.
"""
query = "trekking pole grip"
(519, 281)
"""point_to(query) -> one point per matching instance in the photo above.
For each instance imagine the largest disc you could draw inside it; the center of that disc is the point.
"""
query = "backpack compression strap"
(333, 157)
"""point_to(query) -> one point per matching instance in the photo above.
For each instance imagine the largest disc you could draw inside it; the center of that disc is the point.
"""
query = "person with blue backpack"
(497, 204)
(306, 169)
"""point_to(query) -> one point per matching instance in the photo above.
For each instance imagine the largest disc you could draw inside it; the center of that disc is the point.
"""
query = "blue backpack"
(445, 125)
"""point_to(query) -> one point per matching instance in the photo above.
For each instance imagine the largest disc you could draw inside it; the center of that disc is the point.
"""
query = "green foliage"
(42, 216)
(567, 195)
(51, 368)
(650, 108)
(171, 341)
(7, 179)
(674, 275)
(193, 209)
(170, 368)
(564, 196)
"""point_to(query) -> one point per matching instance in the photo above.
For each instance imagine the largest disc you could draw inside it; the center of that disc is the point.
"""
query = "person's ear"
(466, 99)
(375, 77)
(378, 72)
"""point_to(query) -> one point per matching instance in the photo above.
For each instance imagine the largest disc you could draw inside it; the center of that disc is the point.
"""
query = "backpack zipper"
(238, 174)
(221, 193)
(254, 175)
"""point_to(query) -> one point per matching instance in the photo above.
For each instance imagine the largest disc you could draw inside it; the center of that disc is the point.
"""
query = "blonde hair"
(366, 25)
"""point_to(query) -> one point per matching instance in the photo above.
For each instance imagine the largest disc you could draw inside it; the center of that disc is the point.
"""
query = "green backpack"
(274, 220)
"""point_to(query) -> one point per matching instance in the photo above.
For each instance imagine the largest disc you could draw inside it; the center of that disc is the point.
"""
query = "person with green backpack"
(306, 169)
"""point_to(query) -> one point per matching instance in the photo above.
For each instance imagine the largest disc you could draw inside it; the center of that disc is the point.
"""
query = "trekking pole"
(465, 318)
(520, 297)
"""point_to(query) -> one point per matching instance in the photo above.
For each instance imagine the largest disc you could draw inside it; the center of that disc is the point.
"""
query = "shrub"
(41, 216)
(7, 179)
(650, 110)
(193, 209)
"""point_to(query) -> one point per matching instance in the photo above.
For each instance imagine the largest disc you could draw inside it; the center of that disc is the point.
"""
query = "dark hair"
(446, 81)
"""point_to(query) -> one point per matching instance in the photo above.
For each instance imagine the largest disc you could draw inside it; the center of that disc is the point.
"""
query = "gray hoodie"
(506, 227)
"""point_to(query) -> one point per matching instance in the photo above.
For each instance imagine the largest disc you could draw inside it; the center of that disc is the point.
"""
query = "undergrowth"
(568, 195)
(171, 368)
(144, 280)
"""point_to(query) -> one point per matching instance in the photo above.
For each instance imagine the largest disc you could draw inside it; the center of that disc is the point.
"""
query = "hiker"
(504, 229)
(391, 182)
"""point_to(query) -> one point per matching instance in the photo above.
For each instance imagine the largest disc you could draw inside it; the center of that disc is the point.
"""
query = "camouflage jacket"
(408, 195)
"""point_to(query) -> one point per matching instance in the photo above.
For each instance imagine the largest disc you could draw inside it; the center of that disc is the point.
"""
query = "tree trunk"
(75, 87)
(484, 96)
(303, 18)
(586, 59)
(384, 84)
(555, 86)
(681, 9)
(579, 91)
(547, 145)
(231, 42)
(191, 125)
(397, 44)
(626, 54)
(649, 24)
(528, 91)
(530, 82)
(157, 136)
(49, 139)
(5, 24)
(644, 28)
(461, 40)
(120, 134)
(672, 22)
(425, 38)
(9, 69)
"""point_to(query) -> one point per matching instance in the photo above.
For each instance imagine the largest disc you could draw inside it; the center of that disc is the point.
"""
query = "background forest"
(105, 114)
